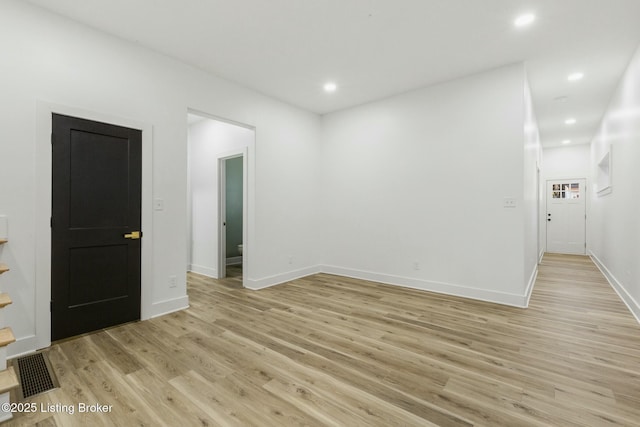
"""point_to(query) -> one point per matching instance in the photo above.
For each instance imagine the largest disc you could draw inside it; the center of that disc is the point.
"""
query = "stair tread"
(5, 300)
(8, 380)
(3, 268)
(6, 336)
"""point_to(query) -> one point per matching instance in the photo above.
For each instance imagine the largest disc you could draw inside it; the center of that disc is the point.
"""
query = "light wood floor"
(326, 350)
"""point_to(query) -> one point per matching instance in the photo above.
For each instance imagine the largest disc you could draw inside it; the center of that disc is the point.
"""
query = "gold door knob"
(133, 235)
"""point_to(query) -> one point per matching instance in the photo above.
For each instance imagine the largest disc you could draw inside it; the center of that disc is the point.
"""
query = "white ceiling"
(372, 49)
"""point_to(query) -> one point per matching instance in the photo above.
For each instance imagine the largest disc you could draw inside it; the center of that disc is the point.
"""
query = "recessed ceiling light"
(575, 77)
(330, 87)
(566, 141)
(524, 20)
(571, 121)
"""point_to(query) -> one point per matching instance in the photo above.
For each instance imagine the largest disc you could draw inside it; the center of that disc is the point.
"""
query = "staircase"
(8, 379)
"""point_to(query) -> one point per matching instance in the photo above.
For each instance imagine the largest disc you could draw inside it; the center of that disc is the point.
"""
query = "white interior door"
(566, 216)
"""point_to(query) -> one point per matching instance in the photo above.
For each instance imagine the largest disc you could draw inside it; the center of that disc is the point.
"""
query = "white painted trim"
(248, 189)
(431, 286)
(629, 301)
(169, 306)
(44, 110)
(530, 286)
(205, 271)
(266, 282)
(22, 346)
(514, 300)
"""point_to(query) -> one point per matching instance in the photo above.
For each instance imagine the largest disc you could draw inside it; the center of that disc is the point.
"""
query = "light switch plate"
(509, 202)
(158, 204)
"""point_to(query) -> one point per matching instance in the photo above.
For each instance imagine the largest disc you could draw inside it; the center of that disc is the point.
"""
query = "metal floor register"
(34, 375)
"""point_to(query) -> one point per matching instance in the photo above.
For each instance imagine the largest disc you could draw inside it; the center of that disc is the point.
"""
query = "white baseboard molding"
(532, 283)
(629, 301)
(22, 346)
(540, 256)
(431, 286)
(278, 279)
(168, 306)
(28, 344)
(205, 271)
(235, 260)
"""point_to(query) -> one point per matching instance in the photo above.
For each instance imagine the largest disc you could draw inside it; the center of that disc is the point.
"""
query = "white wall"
(567, 162)
(531, 192)
(421, 178)
(49, 58)
(615, 226)
(208, 139)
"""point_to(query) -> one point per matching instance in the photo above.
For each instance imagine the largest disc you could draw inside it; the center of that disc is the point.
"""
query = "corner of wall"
(278, 279)
(168, 306)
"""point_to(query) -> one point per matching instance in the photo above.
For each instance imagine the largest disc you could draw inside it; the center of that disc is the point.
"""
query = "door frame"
(222, 248)
(42, 215)
(249, 196)
(586, 207)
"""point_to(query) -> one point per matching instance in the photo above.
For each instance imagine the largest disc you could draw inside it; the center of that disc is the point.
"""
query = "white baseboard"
(278, 279)
(235, 260)
(629, 301)
(22, 346)
(431, 286)
(205, 271)
(28, 344)
(532, 283)
(168, 306)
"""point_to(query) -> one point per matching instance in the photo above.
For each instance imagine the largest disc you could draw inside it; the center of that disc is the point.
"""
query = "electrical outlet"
(158, 204)
(173, 281)
(290, 259)
(416, 266)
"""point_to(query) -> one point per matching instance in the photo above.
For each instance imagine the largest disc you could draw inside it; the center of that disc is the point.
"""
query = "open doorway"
(218, 197)
(231, 219)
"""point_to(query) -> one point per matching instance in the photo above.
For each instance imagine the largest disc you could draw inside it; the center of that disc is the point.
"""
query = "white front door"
(566, 219)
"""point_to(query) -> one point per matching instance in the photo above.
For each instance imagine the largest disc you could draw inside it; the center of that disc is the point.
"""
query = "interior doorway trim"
(43, 159)
(248, 187)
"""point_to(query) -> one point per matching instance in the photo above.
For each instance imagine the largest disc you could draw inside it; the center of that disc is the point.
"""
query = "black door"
(95, 225)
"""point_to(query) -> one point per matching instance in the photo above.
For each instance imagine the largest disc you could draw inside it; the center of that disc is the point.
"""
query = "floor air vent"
(35, 375)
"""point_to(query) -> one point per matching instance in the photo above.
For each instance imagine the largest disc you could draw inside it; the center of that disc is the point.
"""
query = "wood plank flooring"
(332, 351)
